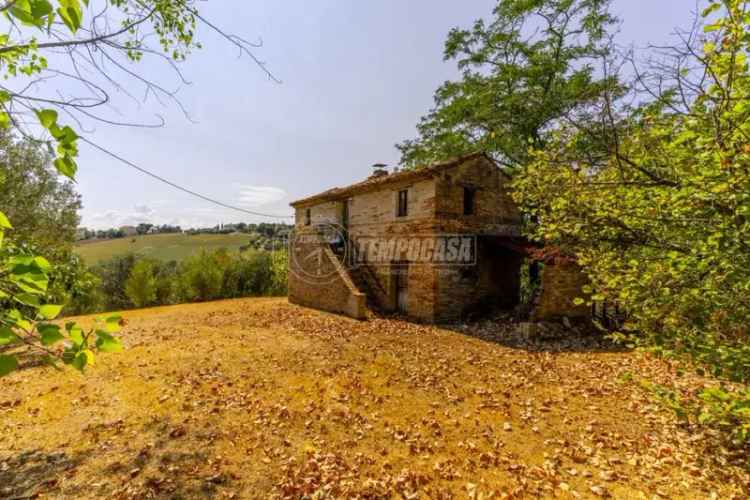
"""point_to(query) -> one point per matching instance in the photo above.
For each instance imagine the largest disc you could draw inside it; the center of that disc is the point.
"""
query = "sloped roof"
(375, 183)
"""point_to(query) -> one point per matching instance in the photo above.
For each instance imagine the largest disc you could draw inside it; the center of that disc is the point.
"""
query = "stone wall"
(495, 213)
(435, 207)
(562, 282)
(331, 290)
(328, 212)
(493, 283)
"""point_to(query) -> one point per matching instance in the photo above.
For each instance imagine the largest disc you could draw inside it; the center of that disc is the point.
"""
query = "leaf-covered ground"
(256, 398)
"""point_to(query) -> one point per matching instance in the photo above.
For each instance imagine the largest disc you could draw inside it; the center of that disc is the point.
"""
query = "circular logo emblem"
(314, 250)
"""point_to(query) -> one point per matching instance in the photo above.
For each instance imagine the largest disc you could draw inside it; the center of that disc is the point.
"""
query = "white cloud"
(144, 210)
(256, 196)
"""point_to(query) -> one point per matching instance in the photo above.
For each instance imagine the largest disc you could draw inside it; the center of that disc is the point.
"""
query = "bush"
(167, 283)
(202, 277)
(113, 275)
(130, 281)
(140, 286)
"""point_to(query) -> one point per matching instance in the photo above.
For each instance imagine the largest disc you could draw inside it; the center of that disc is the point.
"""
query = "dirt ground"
(256, 398)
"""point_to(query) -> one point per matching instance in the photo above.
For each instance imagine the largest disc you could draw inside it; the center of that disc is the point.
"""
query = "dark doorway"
(401, 286)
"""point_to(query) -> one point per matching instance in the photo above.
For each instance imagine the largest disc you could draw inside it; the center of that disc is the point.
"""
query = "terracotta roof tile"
(373, 183)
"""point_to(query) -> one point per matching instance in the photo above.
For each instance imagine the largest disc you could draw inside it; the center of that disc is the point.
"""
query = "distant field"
(160, 246)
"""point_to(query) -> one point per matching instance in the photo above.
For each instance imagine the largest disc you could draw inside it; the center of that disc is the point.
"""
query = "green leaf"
(22, 11)
(76, 334)
(47, 117)
(50, 334)
(40, 8)
(107, 343)
(66, 166)
(81, 360)
(7, 336)
(42, 263)
(112, 324)
(50, 311)
(70, 12)
(710, 9)
(4, 222)
(7, 364)
(711, 27)
(27, 299)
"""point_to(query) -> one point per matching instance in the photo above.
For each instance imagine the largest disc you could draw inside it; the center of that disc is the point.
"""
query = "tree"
(88, 62)
(113, 274)
(43, 207)
(202, 276)
(141, 286)
(662, 223)
(523, 73)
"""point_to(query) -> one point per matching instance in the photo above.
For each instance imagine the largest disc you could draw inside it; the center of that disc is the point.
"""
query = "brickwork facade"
(436, 206)
(331, 290)
(467, 196)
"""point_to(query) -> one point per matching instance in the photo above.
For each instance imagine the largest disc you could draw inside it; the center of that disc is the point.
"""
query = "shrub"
(202, 277)
(140, 286)
(113, 275)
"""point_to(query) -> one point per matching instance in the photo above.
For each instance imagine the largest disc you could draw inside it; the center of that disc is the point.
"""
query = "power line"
(177, 186)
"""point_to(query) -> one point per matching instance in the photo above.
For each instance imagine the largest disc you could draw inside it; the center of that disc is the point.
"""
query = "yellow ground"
(256, 398)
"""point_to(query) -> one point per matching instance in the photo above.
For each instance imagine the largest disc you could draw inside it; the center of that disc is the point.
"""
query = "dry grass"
(256, 398)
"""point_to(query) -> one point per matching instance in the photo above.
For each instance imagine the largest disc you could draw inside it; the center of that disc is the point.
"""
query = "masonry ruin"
(435, 244)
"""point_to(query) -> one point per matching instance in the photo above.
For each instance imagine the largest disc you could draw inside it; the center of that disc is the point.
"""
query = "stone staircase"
(364, 278)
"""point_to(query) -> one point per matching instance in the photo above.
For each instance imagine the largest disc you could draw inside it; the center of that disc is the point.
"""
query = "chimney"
(380, 170)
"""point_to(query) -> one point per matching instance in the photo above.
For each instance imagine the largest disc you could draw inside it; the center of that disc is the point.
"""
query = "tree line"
(266, 230)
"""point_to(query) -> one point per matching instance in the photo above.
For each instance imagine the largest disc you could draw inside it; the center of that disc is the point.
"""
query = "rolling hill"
(159, 246)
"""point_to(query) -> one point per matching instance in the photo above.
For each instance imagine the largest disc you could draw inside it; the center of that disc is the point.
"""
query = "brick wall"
(436, 206)
(494, 209)
(331, 291)
(562, 282)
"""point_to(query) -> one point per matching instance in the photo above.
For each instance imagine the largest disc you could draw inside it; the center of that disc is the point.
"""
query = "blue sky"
(356, 78)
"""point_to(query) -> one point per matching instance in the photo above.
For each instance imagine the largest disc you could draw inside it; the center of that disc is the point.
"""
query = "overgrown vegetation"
(645, 182)
(129, 281)
(119, 32)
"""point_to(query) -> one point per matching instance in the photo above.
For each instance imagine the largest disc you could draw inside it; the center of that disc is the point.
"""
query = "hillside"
(256, 398)
(164, 247)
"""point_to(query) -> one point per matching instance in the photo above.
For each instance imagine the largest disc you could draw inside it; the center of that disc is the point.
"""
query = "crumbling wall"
(562, 283)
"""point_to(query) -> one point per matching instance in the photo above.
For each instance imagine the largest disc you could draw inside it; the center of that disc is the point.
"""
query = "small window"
(469, 198)
(307, 217)
(403, 203)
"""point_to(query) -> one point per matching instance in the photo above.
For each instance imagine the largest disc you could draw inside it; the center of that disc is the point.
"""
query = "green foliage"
(202, 276)
(521, 73)
(129, 281)
(662, 222)
(25, 316)
(43, 208)
(141, 285)
(113, 275)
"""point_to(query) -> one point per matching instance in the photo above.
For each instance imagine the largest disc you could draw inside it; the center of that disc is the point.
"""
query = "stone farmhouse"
(435, 244)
